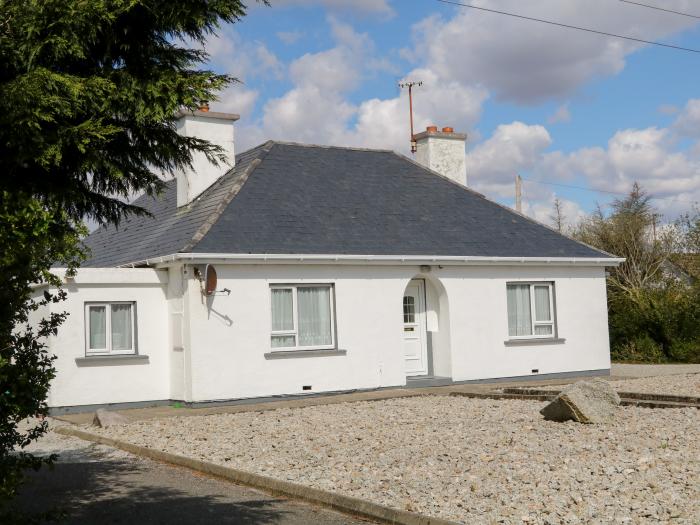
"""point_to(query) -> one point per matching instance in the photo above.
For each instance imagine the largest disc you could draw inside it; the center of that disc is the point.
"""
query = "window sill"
(534, 341)
(284, 354)
(120, 359)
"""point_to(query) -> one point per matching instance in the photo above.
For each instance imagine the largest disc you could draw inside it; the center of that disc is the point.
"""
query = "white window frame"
(295, 319)
(108, 329)
(533, 323)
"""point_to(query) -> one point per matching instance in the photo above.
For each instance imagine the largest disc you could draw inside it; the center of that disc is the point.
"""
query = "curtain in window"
(121, 327)
(519, 316)
(542, 312)
(314, 310)
(98, 327)
(282, 310)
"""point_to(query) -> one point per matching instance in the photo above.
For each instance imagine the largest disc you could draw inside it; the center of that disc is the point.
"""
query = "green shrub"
(685, 351)
(641, 349)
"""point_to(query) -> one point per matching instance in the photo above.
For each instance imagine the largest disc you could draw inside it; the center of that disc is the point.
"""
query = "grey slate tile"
(325, 200)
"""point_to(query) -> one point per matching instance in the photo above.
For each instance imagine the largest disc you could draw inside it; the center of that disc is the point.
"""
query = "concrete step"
(626, 398)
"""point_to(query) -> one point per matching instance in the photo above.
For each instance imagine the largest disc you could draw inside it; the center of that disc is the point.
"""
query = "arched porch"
(426, 332)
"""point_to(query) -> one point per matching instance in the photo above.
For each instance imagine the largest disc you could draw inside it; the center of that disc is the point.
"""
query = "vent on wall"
(535, 370)
(306, 387)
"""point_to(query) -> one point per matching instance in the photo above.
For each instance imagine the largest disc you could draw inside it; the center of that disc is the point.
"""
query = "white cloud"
(380, 7)
(513, 148)
(540, 207)
(647, 156)
(688, 121)
(316, 108)
(289, 37)
(529, 62)
(242, 59)
(561, 115)
(236, 99)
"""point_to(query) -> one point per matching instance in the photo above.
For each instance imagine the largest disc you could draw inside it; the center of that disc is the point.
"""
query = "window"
(302, 316)
(109, 328)
(409, 309)
(530, 310)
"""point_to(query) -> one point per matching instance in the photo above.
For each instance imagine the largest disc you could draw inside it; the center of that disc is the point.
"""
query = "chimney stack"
(443, 152)
(215, 127)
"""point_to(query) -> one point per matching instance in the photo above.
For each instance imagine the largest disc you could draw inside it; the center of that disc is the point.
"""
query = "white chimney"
(215, 127)
(443, 152)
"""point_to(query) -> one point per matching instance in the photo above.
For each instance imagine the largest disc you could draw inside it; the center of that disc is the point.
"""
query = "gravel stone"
(464, 459)
(676, 385)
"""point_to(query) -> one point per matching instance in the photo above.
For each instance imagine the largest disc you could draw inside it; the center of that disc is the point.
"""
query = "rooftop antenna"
(409, 84)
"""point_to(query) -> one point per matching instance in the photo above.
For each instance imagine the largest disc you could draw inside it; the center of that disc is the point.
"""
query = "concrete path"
(98, 484)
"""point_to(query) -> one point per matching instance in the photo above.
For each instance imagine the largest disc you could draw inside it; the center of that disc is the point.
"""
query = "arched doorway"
(425, 333)
(415, 330)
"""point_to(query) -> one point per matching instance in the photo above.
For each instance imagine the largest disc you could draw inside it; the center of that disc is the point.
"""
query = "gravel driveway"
(470, 460)
(676, 385)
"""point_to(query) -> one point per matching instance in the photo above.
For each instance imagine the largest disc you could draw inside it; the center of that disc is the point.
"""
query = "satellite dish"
(210, 280)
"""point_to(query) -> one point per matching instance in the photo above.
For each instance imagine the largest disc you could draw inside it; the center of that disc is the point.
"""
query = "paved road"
(96, 484)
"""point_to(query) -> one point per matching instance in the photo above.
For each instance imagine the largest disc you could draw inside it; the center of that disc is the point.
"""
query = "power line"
(660, 9)
(567, 26)
(618, 193)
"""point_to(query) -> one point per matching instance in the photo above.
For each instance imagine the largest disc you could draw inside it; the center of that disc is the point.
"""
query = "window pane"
(542, 312)
(409, 309)
(98, 327)
(282, 309)
(314, 310)
(543, 329)
(519, 318)
(279, 341)
(121, 327)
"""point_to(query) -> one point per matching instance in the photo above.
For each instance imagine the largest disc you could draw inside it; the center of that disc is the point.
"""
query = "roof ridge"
(329, 146)
(228, 197)
(503, 206)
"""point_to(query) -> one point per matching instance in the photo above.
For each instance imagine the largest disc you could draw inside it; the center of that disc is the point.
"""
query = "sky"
(579, 116)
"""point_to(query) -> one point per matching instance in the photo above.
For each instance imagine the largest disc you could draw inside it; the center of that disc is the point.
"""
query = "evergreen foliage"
(89, 91)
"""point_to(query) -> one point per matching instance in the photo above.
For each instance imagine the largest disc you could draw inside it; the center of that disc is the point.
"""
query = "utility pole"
(409, 85)
(518, 194)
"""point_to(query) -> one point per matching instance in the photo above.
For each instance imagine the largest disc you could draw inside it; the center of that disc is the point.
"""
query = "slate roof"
(283, 198)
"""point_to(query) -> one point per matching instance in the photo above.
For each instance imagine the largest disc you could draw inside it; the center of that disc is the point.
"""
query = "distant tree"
(557, 216)
(628, 231)
(687, 245)
(88, 95)
(653, 316)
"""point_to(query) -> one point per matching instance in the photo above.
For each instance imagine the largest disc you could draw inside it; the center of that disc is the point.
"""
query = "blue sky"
(552, 104)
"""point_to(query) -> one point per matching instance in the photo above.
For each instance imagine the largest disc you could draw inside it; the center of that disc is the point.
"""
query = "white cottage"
(338, 269)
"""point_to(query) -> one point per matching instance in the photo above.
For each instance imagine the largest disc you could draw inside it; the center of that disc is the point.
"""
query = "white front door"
(414, 337)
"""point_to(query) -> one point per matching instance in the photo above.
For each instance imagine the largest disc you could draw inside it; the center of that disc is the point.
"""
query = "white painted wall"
(119, 381)
(230, 334)
(218, 351)
(479, 322)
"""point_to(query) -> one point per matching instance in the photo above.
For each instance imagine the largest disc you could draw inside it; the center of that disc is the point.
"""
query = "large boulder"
(593, 401)
(105, 418)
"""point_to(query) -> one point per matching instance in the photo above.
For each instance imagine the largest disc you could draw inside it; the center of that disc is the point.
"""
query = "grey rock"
(105, 418)
(593, 401)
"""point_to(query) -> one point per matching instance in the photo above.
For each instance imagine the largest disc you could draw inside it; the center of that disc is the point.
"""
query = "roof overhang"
(274, 258)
